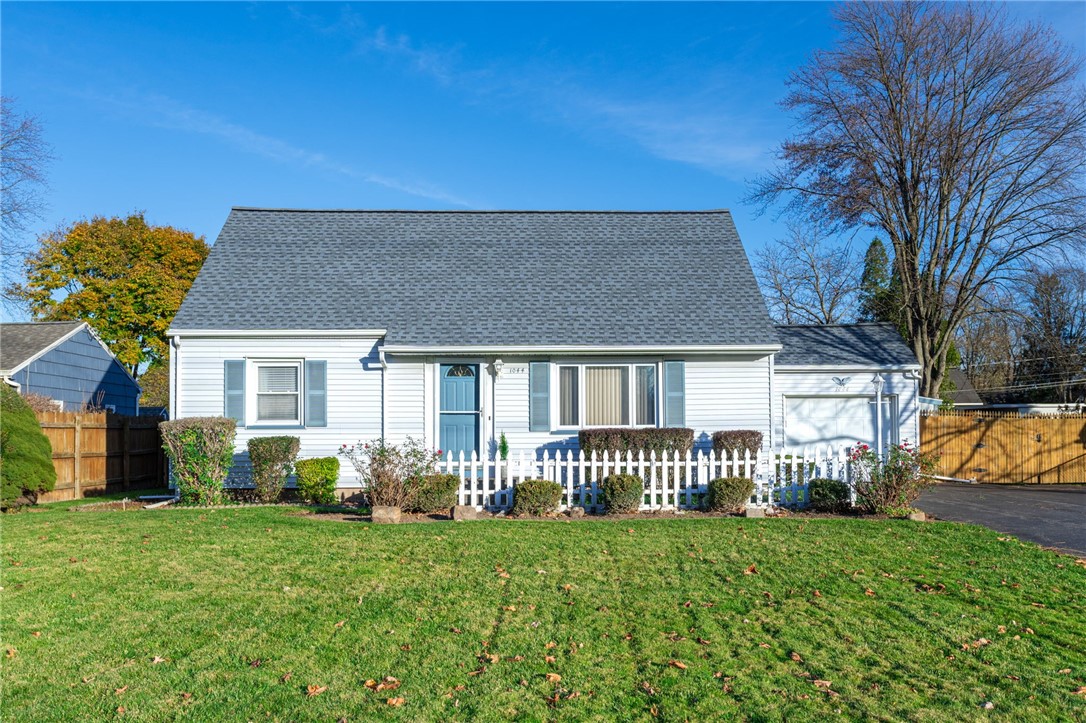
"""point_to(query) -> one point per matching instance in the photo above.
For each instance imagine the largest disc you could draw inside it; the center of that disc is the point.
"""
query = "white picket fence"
(672, 481)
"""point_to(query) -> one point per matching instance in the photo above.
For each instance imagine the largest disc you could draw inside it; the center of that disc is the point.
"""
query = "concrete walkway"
(1050, 515)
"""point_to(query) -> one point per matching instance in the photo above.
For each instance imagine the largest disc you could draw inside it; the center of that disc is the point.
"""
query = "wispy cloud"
(164, 112)
(697, 130)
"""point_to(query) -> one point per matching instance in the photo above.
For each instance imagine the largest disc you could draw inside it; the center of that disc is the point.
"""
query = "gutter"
(585, 350)
(215, 333)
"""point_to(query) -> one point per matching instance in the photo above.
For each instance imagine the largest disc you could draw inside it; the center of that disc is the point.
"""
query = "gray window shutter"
(539, 396)
(234, 390)
(674, 394)
(316, 393)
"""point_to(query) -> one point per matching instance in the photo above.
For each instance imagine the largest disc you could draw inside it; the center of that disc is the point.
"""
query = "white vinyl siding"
(353, 391)
(405, 409)
(804, 401)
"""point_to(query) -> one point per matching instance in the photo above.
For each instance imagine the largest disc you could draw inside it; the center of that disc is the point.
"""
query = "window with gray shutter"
(539, 396)
(674, 394)
(316, 393)
(234, 390)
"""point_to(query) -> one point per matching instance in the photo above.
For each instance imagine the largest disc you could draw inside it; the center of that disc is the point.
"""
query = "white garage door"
(811, 421)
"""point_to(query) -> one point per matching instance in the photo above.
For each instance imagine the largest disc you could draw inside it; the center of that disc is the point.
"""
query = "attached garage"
(824, 386)
(838, 420)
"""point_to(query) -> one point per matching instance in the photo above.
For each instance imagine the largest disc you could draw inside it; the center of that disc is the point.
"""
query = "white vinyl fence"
(672, 481)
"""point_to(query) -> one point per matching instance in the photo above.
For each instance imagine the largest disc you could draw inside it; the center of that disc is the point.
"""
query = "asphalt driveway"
(1050, 515)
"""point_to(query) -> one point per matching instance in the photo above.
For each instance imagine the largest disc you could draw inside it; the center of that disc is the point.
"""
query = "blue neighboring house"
(66, 361)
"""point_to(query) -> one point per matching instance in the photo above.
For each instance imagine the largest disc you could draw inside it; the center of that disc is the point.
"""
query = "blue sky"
(183, 110)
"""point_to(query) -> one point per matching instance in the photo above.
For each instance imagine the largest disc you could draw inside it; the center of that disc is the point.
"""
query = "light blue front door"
(459, 409)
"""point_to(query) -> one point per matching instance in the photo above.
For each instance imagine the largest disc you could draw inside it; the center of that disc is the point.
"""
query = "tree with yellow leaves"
(122, 276)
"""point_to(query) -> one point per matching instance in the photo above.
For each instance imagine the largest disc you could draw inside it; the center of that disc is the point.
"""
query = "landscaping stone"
(464, 512)
(917, 516)
(384, 515)
(575, 512)
(754, 512)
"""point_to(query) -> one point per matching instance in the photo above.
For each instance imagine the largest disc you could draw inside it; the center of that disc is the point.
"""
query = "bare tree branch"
(958, 135)
(807, 279)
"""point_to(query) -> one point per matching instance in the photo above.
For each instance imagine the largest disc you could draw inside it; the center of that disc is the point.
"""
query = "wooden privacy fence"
(1007, 448)
(98, 453)
(672, 481)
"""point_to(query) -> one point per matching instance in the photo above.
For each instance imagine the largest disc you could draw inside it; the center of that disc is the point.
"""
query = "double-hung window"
(607, 395)
(278, 392)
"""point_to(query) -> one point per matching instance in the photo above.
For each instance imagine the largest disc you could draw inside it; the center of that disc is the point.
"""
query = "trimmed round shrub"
(827, 495)
(201, 452)
(622, 493)
(536, 497)
(272, 460)
(662, 440)
(435, 493)
(729, 494)
(26, 457)
(737, 441)
(317, 479)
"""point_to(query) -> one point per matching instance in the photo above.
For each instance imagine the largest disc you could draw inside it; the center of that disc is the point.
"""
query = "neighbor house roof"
(23, 342)
(844, 345)
(964, 393)
(484, 278)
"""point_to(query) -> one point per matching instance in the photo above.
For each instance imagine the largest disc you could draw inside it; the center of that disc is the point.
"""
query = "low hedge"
(26, 456)
(625, 439)
(317, 479)
(828, 495)
(737, 441)
(201, 452)
(622, 493)
(536, 497)
(729, 494)
(272, 460)
(435, 493)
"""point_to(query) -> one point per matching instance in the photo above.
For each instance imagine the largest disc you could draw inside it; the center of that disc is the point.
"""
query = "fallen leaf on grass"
(120, 691)
(822, 683)
(120, 710)
(981, 642)
(314, 690)
(703, 641)
(550, 645)
(796, 657)
(1080, 691)
(36, 633)
(455, 631)
(11, 652)
(869, 592)
(510, 608)
(405, 647)
(763, 645)
(480, 671)
(341, 623)
(818, 593)
(286, 677)
(395, 702)
(752, 570)
(156, 660)
(677, 664)
(255, 663)
(548, 659)
(1064, 671)
(648, 688)
(553, 677)
(490, 657)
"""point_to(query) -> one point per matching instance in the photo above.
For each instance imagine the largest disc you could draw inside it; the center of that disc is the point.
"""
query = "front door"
(459, 409)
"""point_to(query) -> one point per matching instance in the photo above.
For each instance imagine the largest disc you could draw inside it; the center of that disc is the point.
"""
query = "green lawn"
(231, 614)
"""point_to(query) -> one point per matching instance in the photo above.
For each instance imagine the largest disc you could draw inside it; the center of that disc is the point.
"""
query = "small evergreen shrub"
(623, 439)
(729, 494)
(536, 497)
(272, 460)
(622, 493)
(738, 441)
(201, 452)
(436, 493)
(317, 479)
(827, 495)
(26, 457)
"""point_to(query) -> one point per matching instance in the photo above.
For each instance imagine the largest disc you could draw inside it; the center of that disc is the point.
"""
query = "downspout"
(175, 376)
(384, 386)
(772, 403)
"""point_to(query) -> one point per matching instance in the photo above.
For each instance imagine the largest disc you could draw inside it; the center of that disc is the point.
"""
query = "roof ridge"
(40, 323)
(479, 211)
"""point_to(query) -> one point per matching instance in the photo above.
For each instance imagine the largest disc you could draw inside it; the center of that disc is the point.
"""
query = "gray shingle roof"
(22, 341)
(866, 345)
(487, 278)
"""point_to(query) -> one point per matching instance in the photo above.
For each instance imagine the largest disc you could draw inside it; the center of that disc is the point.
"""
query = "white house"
(459, 326)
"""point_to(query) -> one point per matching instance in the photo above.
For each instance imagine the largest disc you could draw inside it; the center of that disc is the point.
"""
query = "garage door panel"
(837, 421)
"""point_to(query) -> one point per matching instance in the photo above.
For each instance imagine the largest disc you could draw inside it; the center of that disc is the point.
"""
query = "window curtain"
(567, 383)
(646, 395)
(607, 396)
